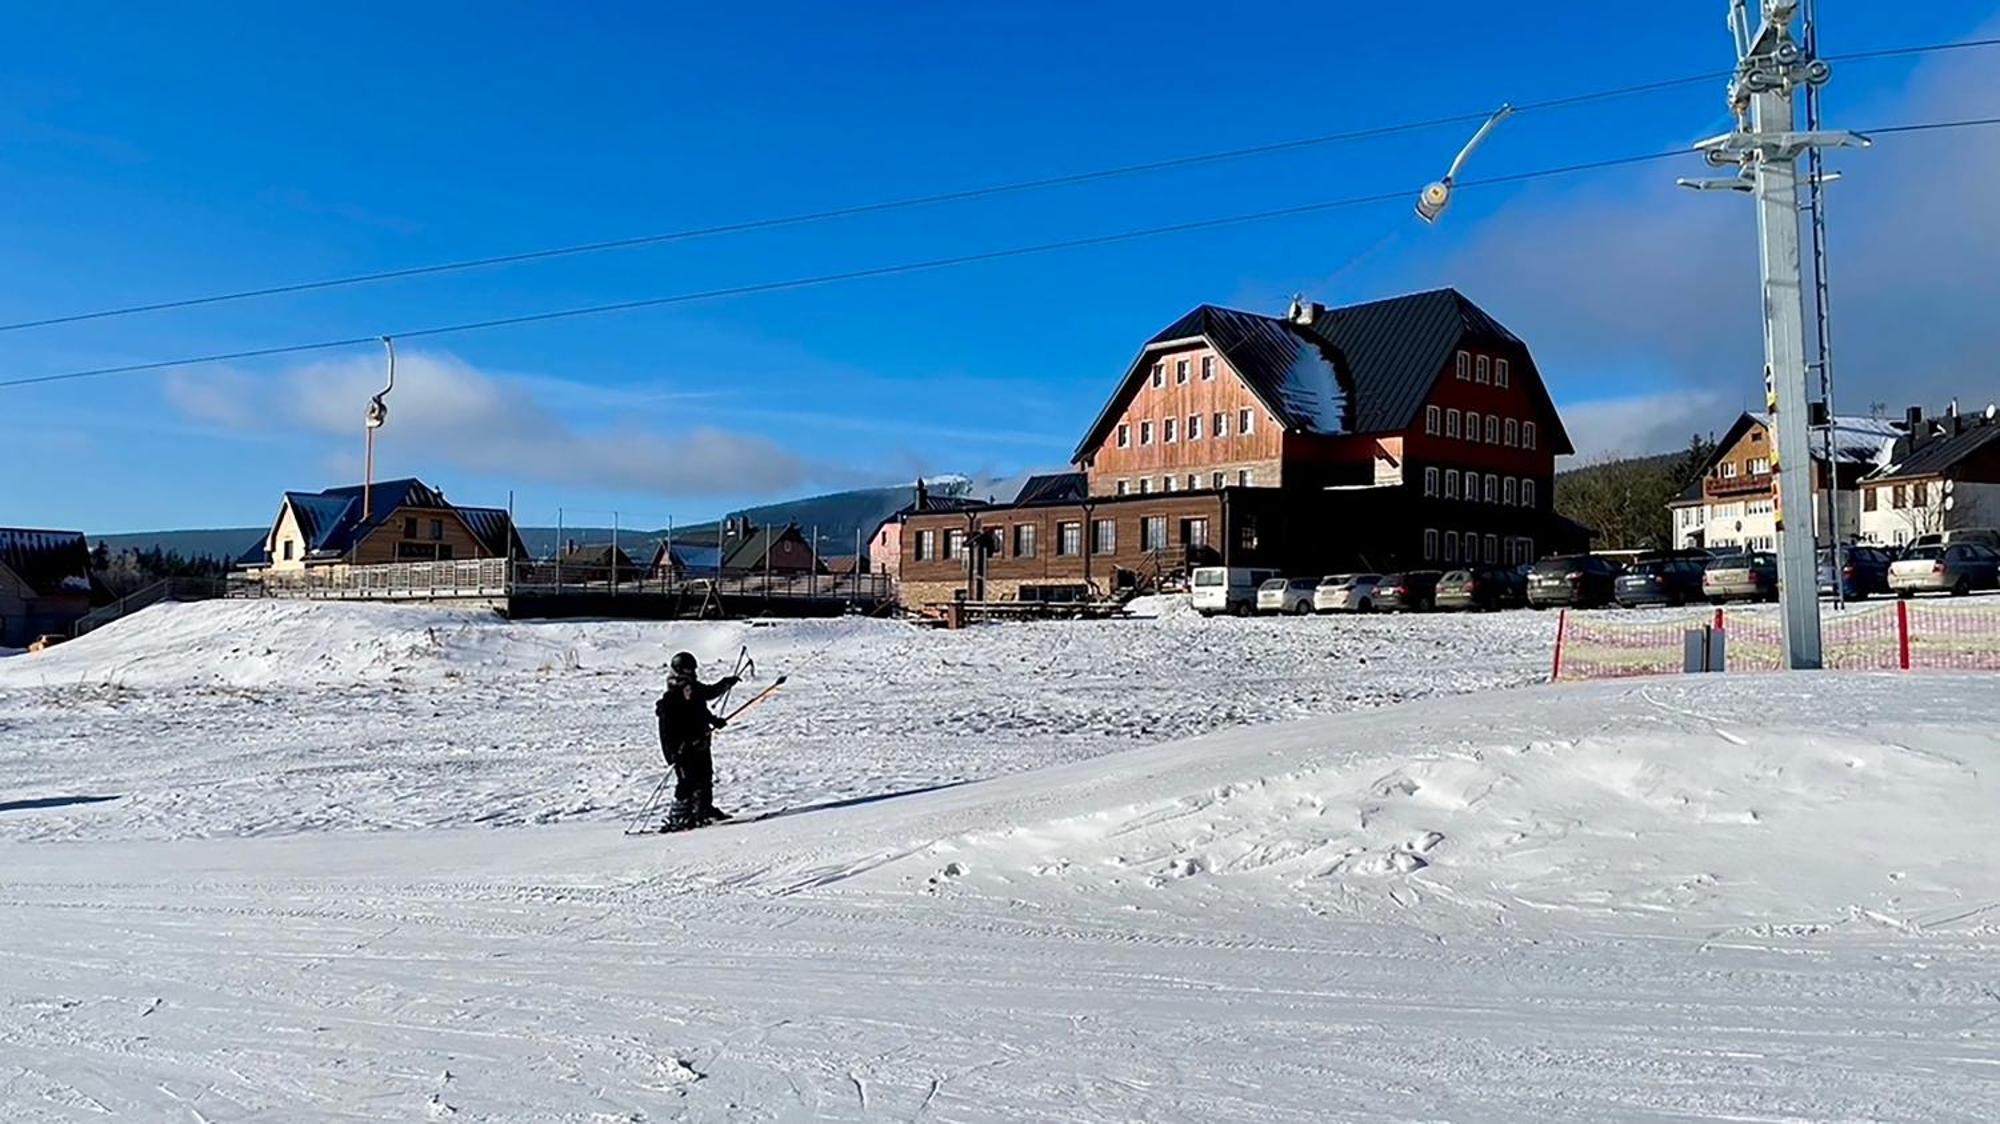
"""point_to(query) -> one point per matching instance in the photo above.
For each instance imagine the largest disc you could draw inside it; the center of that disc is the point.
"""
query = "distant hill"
(838, 517)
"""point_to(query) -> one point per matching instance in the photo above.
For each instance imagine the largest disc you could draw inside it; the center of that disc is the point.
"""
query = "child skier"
(685, 726)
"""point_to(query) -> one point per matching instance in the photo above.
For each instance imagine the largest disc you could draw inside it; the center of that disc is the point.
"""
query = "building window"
(954, 544)
(1069, 539)
(1153, 532)
(1510, 491)
(437, 530)
(1901, 497)
(1220, 428)
(1159, 375)
(289, 544)
(1207, 367)
(1484, 372)
(1194, 481)
(1145, 485)
(1430, 544)
(1528, 496)
(1215, 481)
(1492, 488)
(1451, 483)
(1493, 429)
(1492, 549)
(1450, 547)
(1472, 425)
(926, 545)
(1760, 466)
(1167, 431)
(1528, 435)
(1024, 541)
(1513, 433)
(1180, 372)
(1869, 499)
(1464, 367)
(1124, 486)
(1451, 423)
(1246, 422)
(1920, 494)
(410, 527)
(1500, 372)
(1243, 478)
(1145, 433)
(1433, 420)
(1194, 427)
(1728, 470)
(1166, 483)
(1104, 536)
(1430, 481)
(1124, 436)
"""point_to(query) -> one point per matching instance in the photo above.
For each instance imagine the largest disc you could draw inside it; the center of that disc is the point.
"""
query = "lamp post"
(377, 416)
(1436, 197)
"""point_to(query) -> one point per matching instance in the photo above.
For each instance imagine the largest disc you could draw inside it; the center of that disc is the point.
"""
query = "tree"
(1624, 499)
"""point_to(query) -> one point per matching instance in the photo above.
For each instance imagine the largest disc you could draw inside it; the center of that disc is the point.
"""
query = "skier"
(685, 726)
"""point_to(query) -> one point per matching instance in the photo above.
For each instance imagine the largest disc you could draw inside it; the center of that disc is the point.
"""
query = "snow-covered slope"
(1704, 898)
(262, 717)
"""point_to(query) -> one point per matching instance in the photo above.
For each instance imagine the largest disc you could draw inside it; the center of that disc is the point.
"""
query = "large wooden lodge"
(1403, 433)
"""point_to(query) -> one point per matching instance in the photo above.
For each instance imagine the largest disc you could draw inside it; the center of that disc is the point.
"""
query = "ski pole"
(647, 809)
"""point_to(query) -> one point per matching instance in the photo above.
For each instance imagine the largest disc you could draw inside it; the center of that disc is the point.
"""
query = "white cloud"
(1646, 423)
(444, 413)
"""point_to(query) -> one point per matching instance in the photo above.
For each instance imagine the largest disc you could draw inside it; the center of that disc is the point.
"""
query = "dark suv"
(1864, 571)
(1481, 589)
(1672, 580)
(1413, 592)
(1583, 581)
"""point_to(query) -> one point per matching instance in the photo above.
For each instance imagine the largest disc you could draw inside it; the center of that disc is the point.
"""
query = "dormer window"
(1124, 436)
(1207, 367)
(1180, 372)
(1159, 375)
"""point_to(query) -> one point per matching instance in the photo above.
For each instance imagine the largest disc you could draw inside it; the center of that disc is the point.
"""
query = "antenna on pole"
(378, 414)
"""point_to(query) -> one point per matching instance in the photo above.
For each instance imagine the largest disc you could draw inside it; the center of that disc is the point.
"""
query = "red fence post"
(1903, 635)
(1562, 627)
(1718, 619)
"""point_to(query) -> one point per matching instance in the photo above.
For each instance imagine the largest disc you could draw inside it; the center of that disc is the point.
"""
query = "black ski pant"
(694, 785)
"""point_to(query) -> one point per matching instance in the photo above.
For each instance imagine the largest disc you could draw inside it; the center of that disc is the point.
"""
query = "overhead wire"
(907, 267)
(965, 195)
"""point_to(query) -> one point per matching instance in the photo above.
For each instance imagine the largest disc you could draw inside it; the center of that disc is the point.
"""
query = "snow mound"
(262, 644)
(1594, 804)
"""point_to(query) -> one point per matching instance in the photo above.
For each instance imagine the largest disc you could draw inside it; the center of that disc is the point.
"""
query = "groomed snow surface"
(364, 862)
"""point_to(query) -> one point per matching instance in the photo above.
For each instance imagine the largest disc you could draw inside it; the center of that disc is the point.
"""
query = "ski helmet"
(683, 663)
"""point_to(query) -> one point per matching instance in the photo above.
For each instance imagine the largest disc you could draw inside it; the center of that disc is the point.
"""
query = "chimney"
(923, 495)
(1304, 312)
(1913, 418)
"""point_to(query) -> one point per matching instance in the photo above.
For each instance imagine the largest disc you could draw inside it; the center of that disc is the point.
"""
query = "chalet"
(1734, 502)
(397, 521)
(885, 546)
(750, 549)
(674, 561)
(1942, 474)
(44, 583)
(600, 558)
(1414, 431)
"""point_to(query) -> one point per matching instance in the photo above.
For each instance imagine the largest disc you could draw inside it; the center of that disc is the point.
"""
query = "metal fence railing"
(1927, 635)
(166, 589)
(496, 577)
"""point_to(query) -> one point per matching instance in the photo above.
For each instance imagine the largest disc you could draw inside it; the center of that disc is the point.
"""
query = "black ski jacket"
(683, 712)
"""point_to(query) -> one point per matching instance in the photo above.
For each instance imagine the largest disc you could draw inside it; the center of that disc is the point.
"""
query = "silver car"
(1957, 569)
(1346, 593)
(1287, 595)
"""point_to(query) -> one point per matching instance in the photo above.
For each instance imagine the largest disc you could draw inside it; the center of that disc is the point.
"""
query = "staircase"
(167, 589)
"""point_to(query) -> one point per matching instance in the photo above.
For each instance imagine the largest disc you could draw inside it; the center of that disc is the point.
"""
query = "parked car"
(1346, 593)
(1982, 536)
(1412, 592)
(1583, 581)
(1742, 577)
(1227, 589)
(1287, 595)
(1481, 589)
(1863, 571)
(1661, 581)
(1957, 569)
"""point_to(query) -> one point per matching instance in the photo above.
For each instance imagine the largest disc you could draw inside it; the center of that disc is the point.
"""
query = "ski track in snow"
(1717, 897)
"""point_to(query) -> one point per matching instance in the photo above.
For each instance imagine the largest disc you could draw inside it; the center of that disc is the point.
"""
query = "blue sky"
(148, 154)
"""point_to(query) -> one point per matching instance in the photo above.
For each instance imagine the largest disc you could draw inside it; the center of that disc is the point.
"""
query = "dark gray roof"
(1942, 451)
(1382, 359)
(50, 562)
(1058, 487)
(750, 552)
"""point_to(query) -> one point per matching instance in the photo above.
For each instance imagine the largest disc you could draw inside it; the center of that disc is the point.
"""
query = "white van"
(1227, 589)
